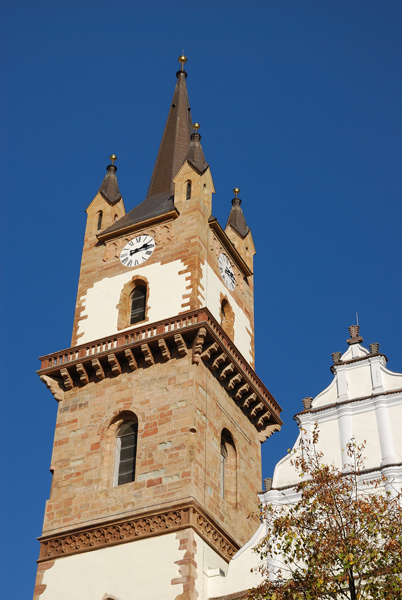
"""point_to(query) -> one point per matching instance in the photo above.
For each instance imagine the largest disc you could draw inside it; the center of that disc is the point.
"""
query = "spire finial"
(182, 60)
(196, 127)
(236, 191)
(113, 158)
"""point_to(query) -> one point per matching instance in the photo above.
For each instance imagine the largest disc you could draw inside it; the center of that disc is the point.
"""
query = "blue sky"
(300, 107)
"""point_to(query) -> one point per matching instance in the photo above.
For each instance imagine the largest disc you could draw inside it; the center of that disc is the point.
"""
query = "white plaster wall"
(213, 287)
(365, 429)
(391, 381)
(395, 417)
(207, 561)
(359, 380)
(284, 473)
(239, 576)
(329, 442)
(140, 570)
(166, 289)
(328, 396)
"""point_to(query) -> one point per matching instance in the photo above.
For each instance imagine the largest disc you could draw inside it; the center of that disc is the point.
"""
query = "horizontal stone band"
(129, 530)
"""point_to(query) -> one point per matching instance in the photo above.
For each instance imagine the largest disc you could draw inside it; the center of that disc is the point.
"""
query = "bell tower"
(156, 458)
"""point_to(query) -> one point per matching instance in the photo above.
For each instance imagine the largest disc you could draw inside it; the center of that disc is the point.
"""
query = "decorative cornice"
(149, 524)
(194, 331)
(344, 402)
(340, 363)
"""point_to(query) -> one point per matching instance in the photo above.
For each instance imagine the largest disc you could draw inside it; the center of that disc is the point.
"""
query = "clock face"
(227, 273)
(137, 251)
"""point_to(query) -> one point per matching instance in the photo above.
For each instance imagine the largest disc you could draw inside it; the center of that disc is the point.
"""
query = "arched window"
(126, 450)
(100, 215)
(228, 468)
(188, 190)
(115, 218)
(138, 302)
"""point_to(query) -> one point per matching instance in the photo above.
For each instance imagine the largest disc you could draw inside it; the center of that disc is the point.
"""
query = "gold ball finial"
(182, 59)
(196, 127)
(113, 158)
(236, 191)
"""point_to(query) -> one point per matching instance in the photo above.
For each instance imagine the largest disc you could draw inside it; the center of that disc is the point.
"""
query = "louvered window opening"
(100, 215)
(138, 302)
(127, 439)
(188, 192)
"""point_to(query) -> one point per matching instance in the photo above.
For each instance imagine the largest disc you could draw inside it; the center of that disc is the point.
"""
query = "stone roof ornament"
(355, 338)
(374, 348)
(336, 357)
(307, 402)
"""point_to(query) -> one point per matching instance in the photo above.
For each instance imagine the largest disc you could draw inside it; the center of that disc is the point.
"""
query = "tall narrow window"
(138, 303)
(188, 190)
(126, 450)
(100, 215)
(224, 457)
(228, 469)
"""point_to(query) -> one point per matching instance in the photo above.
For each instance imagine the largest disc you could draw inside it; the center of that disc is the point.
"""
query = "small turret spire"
(236, 218)
(109, 187)
(195, 154)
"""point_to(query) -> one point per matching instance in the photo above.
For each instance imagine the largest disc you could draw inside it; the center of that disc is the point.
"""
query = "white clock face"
(137, 251)
(227, 273)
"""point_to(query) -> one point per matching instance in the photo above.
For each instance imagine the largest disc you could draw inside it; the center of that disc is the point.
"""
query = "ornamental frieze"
(85, 539)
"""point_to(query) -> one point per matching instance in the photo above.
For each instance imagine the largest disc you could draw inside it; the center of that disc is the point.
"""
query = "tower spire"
(109, 187)
(236, 217)
(195, 154)
(178, 145)
(175, 142)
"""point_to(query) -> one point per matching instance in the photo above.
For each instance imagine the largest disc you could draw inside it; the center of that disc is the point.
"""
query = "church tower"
(156, 459)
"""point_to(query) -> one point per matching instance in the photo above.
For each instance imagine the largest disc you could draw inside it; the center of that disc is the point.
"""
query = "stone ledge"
(197, 333)
(149, 524)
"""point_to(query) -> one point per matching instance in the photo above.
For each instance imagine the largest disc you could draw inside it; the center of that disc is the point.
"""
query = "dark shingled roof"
(110, 188)
(196, 155)
(174, 150)
(175, 140)
(148, 209)
(236, 219)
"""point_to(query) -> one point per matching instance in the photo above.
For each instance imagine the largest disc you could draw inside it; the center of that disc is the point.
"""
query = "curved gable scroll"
(124, 305)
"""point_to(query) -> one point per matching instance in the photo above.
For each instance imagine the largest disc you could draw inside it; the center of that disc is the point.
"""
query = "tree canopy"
(341, 538)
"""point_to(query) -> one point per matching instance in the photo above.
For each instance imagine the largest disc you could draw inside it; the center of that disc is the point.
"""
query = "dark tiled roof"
(148, 209)
(236, 218)
(110, 188)
(196, 155)
(175, 141)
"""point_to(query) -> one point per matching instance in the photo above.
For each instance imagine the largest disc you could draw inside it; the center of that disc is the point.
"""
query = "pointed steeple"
(175, 140)
(178, 145)
(236, 217)
(195, 154)
(109, 187)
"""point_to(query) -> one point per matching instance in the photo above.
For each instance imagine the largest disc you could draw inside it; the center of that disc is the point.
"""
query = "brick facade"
(185, 384)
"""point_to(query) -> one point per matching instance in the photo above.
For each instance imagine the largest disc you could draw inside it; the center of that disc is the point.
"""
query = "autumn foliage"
(341, 537)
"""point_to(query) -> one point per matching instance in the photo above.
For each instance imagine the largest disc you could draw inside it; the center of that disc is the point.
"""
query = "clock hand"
(143, 247)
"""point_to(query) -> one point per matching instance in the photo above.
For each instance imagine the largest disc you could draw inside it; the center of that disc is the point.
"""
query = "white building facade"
(364, 403)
